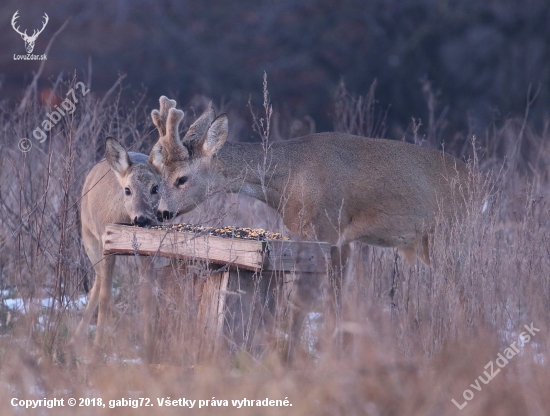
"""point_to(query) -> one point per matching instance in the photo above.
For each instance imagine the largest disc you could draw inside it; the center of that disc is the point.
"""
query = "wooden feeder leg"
(211, 313)
(148, 304)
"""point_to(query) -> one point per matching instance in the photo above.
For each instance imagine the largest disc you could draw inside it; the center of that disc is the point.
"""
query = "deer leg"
(93, 249)
(307, 290)
(409, 253)
(341, 257)
(341, 273)
(88, 312)
(105, 276)
(424, 251)
(420, 249)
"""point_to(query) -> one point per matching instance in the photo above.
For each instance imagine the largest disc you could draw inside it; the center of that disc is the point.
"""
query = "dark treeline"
(472, 61)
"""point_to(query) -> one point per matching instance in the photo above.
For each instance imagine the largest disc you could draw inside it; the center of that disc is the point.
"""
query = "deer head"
(188, 167)
(29, 40)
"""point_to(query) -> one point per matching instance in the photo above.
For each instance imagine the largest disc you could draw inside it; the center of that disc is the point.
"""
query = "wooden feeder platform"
(256, 256)
(239, 300)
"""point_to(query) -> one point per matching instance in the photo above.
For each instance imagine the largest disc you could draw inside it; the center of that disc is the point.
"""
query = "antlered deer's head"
(29, 40)
(188, 167)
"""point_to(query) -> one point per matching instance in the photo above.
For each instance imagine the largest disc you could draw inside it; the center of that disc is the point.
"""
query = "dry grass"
(415, 336)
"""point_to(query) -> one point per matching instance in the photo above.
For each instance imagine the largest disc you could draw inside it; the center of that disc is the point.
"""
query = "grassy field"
(415, 337)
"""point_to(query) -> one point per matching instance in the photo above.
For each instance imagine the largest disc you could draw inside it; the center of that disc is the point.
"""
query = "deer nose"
(141, 221)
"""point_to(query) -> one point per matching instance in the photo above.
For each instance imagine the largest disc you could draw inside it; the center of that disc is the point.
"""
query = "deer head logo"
(29, 40)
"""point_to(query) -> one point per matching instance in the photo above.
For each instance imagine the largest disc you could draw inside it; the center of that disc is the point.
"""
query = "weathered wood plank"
(296, 256)
(123, 239)
(310, 257)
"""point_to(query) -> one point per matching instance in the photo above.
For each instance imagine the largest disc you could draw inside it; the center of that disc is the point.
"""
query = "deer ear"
(155, 157)
(199, 127)
(215, 136)
(117, 157)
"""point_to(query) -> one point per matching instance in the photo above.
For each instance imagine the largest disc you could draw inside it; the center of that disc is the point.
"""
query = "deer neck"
(246, 168)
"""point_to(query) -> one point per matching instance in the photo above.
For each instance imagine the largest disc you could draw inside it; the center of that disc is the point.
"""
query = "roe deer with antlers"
(331, 187)
(123, 187)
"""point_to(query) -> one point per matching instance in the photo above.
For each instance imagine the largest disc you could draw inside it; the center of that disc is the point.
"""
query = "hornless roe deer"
(123, 187)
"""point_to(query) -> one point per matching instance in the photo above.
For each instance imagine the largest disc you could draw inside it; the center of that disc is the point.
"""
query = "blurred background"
(461, 66)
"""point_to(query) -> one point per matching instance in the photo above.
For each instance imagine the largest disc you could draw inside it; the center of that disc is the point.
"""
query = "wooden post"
(211, 312)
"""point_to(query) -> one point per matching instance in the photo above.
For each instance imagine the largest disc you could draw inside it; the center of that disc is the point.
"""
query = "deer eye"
(127, 191)
(181, 180)
(155, 190)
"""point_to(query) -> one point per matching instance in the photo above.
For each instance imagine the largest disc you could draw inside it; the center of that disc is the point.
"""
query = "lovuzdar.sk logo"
(29, 40)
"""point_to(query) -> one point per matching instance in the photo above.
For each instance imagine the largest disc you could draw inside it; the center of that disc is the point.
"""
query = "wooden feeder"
(247, 277)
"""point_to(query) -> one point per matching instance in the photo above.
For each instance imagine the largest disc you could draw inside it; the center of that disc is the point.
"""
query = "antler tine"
(165, 105)
(159, 116)
(173, 121)
(171, 145)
